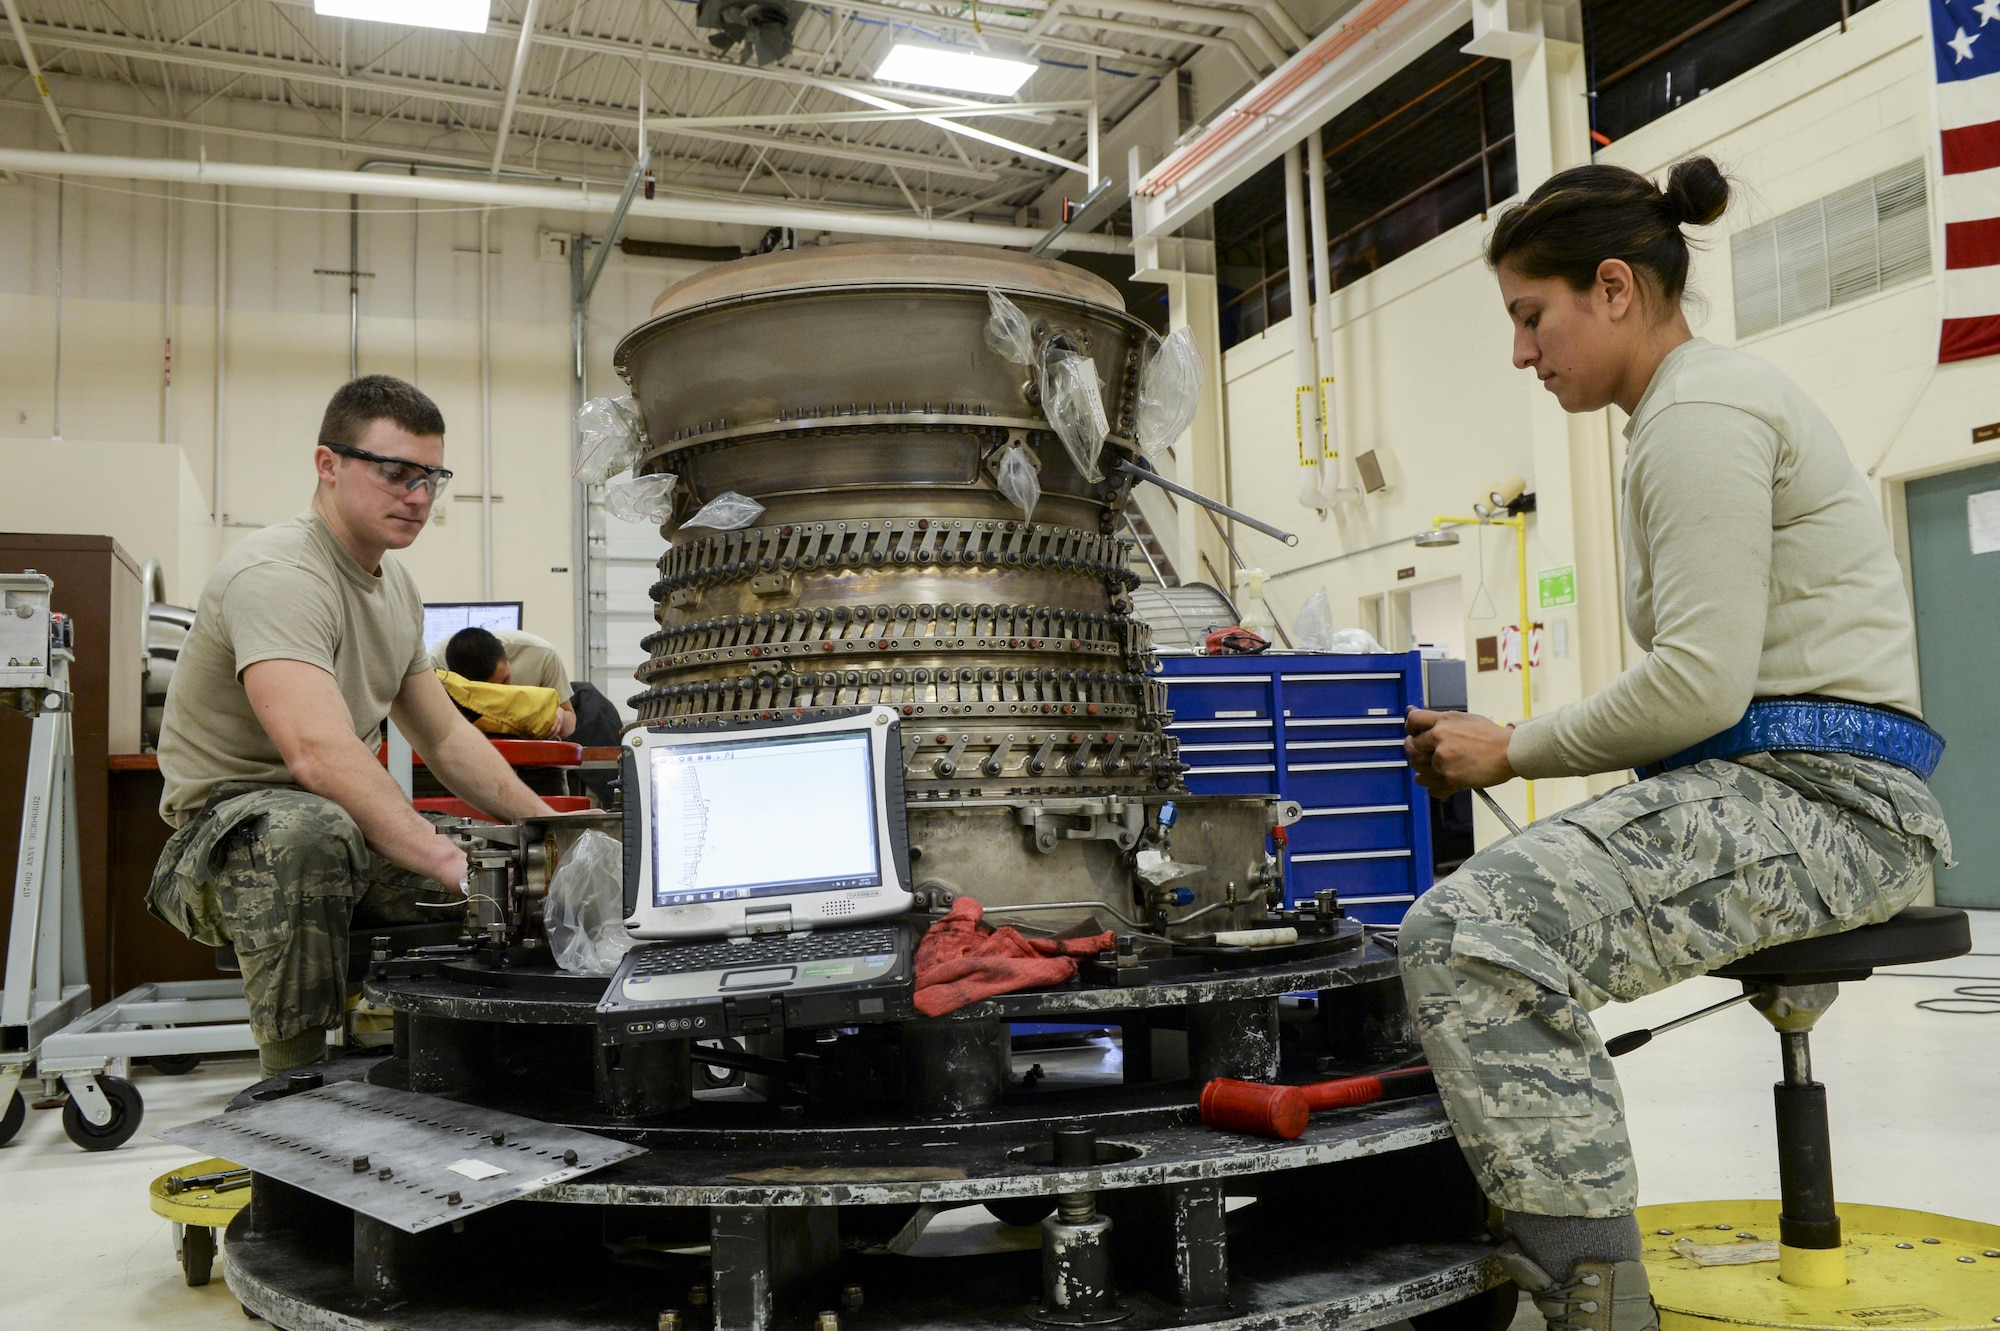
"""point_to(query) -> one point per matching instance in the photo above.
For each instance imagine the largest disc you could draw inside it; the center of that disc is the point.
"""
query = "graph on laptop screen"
(763, 817)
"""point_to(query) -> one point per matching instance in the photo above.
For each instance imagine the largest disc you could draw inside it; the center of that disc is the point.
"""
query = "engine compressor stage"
(785, 1176)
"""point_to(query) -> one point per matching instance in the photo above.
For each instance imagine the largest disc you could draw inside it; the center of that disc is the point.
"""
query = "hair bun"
(1697, 191)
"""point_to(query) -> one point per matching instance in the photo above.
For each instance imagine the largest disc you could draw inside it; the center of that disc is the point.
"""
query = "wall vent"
(1852, 243)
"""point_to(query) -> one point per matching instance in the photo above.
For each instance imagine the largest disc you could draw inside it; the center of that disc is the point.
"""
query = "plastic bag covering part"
(608, 435)
(728, 511)
(647, 499)
(1018, 481)
(1314, 632)
(585, 909)
(1071, 401)
(1008, 332)
(1169, 392)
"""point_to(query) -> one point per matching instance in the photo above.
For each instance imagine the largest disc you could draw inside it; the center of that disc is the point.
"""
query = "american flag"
(1965, 38)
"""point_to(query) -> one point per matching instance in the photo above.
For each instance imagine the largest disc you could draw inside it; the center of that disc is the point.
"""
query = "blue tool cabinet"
(1326, 731)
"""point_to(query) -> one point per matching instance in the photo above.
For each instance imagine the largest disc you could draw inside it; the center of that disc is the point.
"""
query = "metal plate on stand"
(412, 1161)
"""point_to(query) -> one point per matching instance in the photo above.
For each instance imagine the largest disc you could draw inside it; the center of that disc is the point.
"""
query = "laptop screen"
(763, 816)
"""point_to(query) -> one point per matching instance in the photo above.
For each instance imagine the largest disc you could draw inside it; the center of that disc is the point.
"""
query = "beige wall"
(1423, 351)
(141, 494)
(138, 269)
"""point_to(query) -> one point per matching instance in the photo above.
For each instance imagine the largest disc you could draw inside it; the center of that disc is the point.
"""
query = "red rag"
(961, 960)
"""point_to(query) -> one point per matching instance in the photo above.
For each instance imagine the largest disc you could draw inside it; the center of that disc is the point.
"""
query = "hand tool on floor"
(219, 1182)
(1265, 1110)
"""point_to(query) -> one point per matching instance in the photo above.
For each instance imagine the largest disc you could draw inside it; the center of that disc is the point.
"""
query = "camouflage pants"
(1620, 897)
(282, 874)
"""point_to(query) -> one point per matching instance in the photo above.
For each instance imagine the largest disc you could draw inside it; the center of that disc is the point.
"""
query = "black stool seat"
(1917, 933)
(360, 940)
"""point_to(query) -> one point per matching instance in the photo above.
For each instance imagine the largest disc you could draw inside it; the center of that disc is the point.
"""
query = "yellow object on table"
(199, 1212)
(1714, 1267)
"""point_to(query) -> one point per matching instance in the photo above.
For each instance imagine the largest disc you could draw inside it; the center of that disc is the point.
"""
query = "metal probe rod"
(1214, 506)
(1630, 1040)
(1498, 812)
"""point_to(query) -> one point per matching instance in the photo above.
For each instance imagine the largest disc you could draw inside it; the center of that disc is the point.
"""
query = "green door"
(1958, 659)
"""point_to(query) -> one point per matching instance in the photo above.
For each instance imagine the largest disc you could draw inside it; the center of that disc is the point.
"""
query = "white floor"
(1915, 1100)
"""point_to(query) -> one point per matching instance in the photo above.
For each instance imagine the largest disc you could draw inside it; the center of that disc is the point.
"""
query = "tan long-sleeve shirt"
(1756, 565)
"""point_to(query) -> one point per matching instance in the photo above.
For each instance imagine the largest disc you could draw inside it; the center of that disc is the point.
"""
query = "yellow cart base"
(198, 1215)
(1905, 1269)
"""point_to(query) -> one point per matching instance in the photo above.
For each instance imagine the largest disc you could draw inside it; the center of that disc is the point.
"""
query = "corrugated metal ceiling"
(383, 90)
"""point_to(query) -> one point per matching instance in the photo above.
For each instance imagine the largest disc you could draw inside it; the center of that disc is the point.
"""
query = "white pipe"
(507, 109)
(1329, 418)
(216, 472)
(35, 74)
(485, 407)
(169, 317)
(1092, 174)
(803, 217)
(55, 425)
(1305, 410)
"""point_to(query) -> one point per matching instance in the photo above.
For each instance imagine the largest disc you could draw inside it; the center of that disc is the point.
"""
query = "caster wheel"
(10, 1122)
(713, 1075)
(198, 1254)
(1488, 1311)
(174, 1065)
(127, 1108)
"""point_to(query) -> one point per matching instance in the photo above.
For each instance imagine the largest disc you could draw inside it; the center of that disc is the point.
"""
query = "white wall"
(1422, 348)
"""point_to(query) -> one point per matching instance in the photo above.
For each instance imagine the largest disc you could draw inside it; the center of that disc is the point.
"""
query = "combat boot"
(1597, 1296)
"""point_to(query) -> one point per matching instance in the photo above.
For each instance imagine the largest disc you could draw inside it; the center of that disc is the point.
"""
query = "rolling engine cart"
(45, 1014)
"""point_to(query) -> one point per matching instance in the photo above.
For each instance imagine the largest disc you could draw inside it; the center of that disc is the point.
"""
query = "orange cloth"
(961, 960)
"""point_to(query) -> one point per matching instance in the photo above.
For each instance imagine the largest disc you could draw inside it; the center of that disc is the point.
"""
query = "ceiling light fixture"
(456, 15)
(948, 67)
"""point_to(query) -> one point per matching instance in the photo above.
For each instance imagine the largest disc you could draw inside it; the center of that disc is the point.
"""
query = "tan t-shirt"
(1756, 565)
(288, 593)
(531, 661)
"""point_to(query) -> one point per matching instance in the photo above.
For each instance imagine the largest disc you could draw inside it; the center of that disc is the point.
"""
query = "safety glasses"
(397, 473)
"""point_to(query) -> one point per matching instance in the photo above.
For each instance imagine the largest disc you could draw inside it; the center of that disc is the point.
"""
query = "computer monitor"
(768, 828)
(444, 618)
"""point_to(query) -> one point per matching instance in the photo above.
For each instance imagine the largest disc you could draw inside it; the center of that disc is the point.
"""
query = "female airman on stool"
(1773, 723)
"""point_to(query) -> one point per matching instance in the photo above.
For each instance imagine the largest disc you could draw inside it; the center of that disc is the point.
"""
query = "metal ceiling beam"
(1233, 20)
(669, 56)
(465, 95)
(545, 197)
(916, 18)
(35, 73)
(1254, 68)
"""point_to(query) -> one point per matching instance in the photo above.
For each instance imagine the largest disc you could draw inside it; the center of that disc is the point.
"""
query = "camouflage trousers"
(1620, 897)
(282, 874)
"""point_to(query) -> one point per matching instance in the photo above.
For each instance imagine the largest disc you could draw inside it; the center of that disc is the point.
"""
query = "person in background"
(308, 637)
(508, 656)
(1773, 722)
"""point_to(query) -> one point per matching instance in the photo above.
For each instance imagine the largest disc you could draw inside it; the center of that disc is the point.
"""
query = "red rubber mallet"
(1281, 1111)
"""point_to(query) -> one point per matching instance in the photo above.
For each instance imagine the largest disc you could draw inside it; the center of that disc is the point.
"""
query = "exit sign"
(1558, 586)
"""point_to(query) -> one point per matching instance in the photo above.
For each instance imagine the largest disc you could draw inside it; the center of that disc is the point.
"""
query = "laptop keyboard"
(763, 950)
